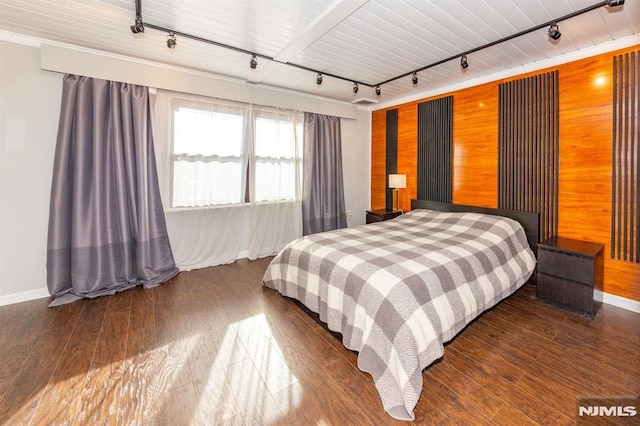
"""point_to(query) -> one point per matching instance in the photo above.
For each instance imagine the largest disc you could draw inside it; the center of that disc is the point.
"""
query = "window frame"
(208, 106)
(250, 114)
(296, 160)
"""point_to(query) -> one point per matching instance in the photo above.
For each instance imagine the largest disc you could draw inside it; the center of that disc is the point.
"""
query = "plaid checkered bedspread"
(398, 290)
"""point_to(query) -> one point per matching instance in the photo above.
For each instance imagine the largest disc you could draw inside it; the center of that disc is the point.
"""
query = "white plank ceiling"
(369, 41)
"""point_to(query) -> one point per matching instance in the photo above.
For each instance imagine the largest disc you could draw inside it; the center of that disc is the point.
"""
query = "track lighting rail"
(139, 26)
(508, 38)
(238, 49)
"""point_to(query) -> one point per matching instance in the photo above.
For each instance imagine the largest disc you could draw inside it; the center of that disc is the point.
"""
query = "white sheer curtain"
(217, 158)
(201, 145)
(275, 171)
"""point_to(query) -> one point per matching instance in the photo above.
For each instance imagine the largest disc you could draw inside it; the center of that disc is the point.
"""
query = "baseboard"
(24, 296)
(620, 302)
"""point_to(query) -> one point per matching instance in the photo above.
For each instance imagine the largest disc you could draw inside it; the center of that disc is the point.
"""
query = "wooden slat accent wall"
(528, 147)
(435, 128)
(585, 153)
(625, 215)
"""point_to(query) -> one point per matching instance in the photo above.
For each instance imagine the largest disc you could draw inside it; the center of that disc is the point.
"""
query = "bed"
(398, 290)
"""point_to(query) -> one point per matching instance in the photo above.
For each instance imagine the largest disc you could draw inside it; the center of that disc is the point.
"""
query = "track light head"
(171, 40)
(319, 79)
(355, 87)
(615, 3)
(554, 32)
(138, 26)
(378, 90)
(253, 63)
(463, 62)
(414, 78)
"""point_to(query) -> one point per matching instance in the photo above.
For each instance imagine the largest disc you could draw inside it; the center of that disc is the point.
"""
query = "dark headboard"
(530, 221)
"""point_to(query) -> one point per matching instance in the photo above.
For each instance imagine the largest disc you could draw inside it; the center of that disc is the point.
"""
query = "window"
(278, 151)
(208, 154)
(211, 150)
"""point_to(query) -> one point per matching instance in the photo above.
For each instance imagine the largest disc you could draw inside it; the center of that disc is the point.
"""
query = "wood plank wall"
(584, 208)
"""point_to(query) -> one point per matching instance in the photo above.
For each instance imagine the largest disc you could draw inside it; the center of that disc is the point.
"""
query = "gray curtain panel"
(107, 230)
(323, 206)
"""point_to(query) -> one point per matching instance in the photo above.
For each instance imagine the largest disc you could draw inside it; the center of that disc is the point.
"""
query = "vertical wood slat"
(625, 211)
(435, 154)
(528, 148)
(391, 153)
(556, 154)
(614, 150)
(625, 154)
(635, 87)
(637, 150)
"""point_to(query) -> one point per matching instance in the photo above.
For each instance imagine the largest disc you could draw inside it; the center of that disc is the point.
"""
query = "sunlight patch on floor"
(265, 373)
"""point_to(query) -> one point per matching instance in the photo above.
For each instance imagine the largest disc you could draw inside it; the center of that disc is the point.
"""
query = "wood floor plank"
(496, 364)
(598, 355)
(356, 385)
(428, 414)
(550, 394)
(66, 316)
(100, 398)
(179, 406)
(633, 384)
(143, 366)
(175, 335)
(320, 400)
(455, 407)
(529, 403)
(59, 403)
(466, 388)
(526, 320)
(14, 356)
(252, 394)
(264, 349)
(581, 370)
(312, 340)
(23, 396)
(298, 316)
(213, 390)
(508, 415)
(504, 336)
(25, 318)
(214, 346)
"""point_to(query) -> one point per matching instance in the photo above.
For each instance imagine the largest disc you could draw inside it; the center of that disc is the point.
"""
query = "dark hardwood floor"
(214, 347)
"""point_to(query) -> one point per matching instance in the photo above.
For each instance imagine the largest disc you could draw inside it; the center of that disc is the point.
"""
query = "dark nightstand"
(569, 272)
(382, 215)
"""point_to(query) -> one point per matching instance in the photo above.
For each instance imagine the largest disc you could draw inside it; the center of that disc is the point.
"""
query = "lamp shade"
(397, 181)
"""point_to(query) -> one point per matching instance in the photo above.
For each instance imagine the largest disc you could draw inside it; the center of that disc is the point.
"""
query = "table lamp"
(397, 182)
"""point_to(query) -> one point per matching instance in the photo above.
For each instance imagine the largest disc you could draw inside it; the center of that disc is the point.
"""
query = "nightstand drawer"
(566, 265)
(567, 293)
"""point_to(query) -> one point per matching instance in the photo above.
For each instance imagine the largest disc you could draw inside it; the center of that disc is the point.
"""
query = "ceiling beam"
(333, 16)
(340, 11)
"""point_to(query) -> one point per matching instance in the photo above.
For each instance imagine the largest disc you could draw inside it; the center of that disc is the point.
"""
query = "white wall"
(356, 165)
(29, 111)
